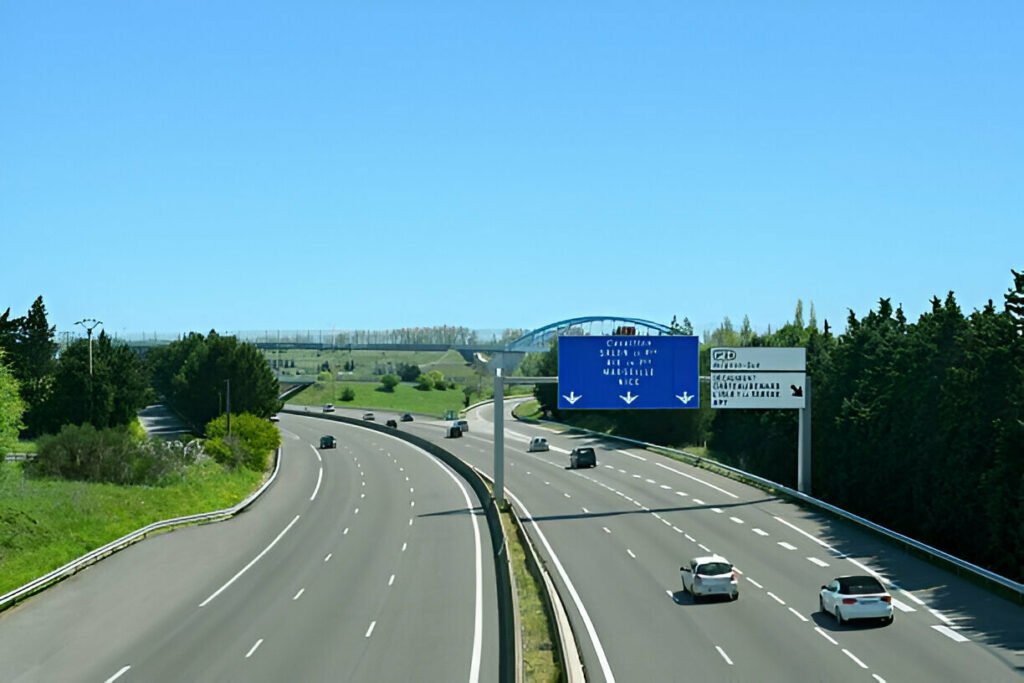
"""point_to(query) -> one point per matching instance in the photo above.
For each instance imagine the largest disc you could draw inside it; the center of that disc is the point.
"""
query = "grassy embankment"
(46, 523)
(404, 398)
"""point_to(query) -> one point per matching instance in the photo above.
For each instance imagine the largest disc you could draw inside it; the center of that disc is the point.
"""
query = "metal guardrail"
(98, 554)
(980, 572)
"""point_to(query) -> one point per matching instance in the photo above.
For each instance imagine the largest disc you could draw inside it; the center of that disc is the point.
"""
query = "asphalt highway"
(615, 536)
(368, 562)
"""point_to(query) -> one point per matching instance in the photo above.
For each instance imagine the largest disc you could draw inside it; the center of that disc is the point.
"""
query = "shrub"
(324, 376)
(390, 382)
(424, 383)
(348, 394)
(251, 442)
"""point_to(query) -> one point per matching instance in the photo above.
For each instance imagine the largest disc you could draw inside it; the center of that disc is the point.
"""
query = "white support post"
(499, 434)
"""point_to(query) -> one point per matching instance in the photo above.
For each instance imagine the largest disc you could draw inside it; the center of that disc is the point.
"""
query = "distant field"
(370, 395)
(369, 365)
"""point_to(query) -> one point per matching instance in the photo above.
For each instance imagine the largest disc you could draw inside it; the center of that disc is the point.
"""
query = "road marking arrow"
(572, 397)
(685, 398)
(629, 397)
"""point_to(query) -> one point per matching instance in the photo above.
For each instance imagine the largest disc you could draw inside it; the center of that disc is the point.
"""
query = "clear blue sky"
(176, 166)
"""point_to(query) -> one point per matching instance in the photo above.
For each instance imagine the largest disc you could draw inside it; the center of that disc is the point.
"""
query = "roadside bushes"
(250, 444)
(114, 455)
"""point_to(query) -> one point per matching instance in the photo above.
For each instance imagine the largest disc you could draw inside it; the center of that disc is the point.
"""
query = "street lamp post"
(89, 324)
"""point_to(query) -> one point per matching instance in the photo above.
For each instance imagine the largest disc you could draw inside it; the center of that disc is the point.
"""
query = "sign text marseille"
(636, 372)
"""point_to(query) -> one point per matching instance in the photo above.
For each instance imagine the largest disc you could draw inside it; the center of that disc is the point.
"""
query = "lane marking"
(410, 521)
(635, 457)
(787, 546)
(356, 511)
(631, 553)
(316, 452)
(606, 530)
(698, 501)
(826, 636)
(412, 503)
(798, 615)
(251, 563)
(902, 606)
(566, 495)
(370, 630)
(650, 481)
(878, 678)
(760, 532)
(299, 594)
(820, 563)
(253, 649)
(696, 479)
(704, 547)
(404, 545)
(717, 510)
(801, 531)
(319, 478)
(737, 520)
(391, 580)
(329, 556)
(941, 616)
(755, 583)
(117, 675)
(677, 529)
(680, 493)
(854, 658)
(345, 532)
(585, 511)
(913, 597)
(776, 598)
(666, 487)
(724, 656)
(690, 538)
(637, 476)
(587, 622)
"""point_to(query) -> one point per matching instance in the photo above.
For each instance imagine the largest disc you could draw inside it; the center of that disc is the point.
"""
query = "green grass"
(46, 523)
(540, 656)
(530, 410)
(403, 398)
(370, 364)
(23, 447)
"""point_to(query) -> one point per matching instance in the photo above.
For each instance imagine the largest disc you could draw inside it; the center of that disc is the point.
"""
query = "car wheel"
(839, 616)
(734, 596)
(821, 604)
(889, 619)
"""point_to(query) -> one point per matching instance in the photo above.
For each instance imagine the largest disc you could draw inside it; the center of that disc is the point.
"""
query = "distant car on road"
(392, 423)
(538, 443)
(462, 424)
(406, 417)
(710, 575)
(856, 597)
(369, 416)
(582, 457)
(275, 418)
(453, 432)
(328, 407)
(327, 441)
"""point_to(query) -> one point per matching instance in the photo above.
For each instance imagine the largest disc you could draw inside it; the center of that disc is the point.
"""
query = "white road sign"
(765, 390)
(759, 359)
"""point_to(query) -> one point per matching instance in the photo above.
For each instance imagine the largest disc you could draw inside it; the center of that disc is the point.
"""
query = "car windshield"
(714, 568)
(859, 585)
(585, 451)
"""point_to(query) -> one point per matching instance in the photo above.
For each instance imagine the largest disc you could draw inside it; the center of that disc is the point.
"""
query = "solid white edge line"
(724, 656)
(319, 478)
(801, 531)
(587, 622)
(316, 452)
(253, 648)
(251, 563)
(854, 658)
(117, 675)
(696, 479)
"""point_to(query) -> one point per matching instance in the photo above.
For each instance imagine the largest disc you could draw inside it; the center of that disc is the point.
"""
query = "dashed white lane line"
(116, 676)
(717, 510)
(632, 455)
(696, 479)
(650, 481)
(826, 636)
(631, 553)
(606, 530)
(585, 511)
(698, 501)
(878, 678)
(329, 556)
(356, 511)
(690, 538)
(820, 563)
(362, 495)
(251, 563)
(299, 594)
(724, 656)
(776, 598)
(755, 582)
(622, 471)
(412, 503)
(798, 615)
(666, 486)
(737, 520)
(704, 547)
(566, 495)
(760, 532)
(404, 546)
(854, 658)
(319, 478)
(253, 648)
(410, 521)
(637, 476)
(345, 532)
(370, 630)
(787, 546)
(902, 606)
(677, 530)
(680, 493)
(391, 581)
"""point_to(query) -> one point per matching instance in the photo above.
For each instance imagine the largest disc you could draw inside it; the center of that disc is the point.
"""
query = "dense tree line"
(192, 375)
(916, 426)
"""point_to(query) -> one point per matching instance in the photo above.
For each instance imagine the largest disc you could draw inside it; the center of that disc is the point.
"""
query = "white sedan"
(856, 597)
(710, 575)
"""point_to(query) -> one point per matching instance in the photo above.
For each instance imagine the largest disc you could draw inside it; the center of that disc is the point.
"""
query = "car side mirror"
(824, 588)
(684, 569)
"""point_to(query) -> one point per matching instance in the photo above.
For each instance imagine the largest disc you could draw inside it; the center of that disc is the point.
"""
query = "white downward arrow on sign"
(572, 397)
(629, 397)
(685, 398)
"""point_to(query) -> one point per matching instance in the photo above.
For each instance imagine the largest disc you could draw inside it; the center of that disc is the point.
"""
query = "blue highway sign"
(624, 371)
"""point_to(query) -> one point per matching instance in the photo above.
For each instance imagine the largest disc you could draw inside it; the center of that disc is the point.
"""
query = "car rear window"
(714, 569)
(585, 451)
(859, 585)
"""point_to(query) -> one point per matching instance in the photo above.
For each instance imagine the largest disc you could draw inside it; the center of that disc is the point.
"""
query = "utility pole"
(228, 404)
(89, 324)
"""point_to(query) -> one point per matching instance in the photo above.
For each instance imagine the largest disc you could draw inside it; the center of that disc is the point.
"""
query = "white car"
(710, 575)
(328, 407)
(462, 424)
(538, 443)
(856, 597)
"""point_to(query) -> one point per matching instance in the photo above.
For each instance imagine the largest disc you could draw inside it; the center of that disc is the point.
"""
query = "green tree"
(250, 443)
(424, 382)
(11, 407)
(390, 382)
